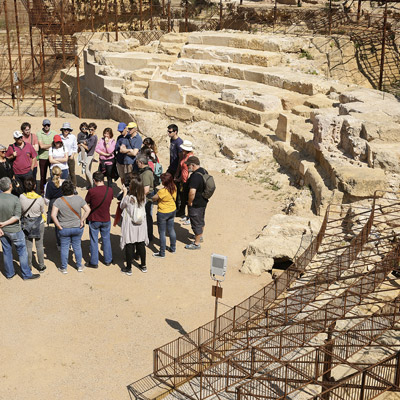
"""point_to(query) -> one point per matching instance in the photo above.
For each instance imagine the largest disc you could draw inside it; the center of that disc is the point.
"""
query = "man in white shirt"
(71, 147)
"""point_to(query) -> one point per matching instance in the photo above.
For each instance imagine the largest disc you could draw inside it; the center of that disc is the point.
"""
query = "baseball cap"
(192, 160)
(17, 134)
(121, 126)
(57, 138)
(132, 125)
(46, 122)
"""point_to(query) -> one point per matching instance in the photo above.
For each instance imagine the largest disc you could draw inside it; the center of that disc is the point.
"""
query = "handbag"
(31, 225)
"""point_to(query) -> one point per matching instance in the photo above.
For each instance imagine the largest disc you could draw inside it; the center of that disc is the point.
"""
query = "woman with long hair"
(32, 207)
(58, 156)
(105, 148)
(165, 199)
(70, 220)
(134, 236)
(52, 192)
(6, 170)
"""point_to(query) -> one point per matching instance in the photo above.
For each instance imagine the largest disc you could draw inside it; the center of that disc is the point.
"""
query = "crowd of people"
(27, 209)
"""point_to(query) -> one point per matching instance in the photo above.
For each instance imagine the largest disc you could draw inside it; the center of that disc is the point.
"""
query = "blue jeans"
(71, 236)
(19, 242)
(165, 221)
(104, 228)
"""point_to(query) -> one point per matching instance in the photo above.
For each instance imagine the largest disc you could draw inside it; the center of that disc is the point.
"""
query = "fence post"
(141, 14)
(186, 15)
(63, 32)
(151, 15)
(9, 54)
(31, 40)
(169, 16)
(91, 15)
(42, 73)
(383, 47)
(220, 14)
(21, 77)
(78, 86)
(116, 20)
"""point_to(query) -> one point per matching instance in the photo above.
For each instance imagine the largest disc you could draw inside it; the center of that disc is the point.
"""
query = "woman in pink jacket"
(105, 148)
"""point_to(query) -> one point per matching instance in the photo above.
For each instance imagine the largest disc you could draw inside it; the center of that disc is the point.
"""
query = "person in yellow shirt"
(165, 199)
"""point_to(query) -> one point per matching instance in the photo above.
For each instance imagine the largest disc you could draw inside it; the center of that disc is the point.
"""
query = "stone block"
(184, 113)
(166, 91)
(384, 155)
(283, 130)
(140, 103)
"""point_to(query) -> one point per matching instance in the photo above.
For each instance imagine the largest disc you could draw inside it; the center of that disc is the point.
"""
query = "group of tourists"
(23, 216)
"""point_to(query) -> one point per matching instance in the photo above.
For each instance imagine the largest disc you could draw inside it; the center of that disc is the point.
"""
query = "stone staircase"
(270, 87)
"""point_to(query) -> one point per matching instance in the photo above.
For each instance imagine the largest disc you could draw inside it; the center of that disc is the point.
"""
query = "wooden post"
(54, 100)
(42, 76)
(21, 76)
(220, 14)
(330, 18)
(358, 10)
(9, 53)
(106, 11)
(186, 15)
(163, 8)
(141, 14)
(91, 14)
(42, 47)
(116, 20)
(151, 15)
(78, 86)
(169, 16)
(63, 32)
(31, 41)
(383, 48)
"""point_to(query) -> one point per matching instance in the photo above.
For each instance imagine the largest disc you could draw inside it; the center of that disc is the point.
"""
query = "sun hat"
(17, 135)
(66, 125)
(121, 126)
(132, 125)
(187, 145)
(57, 138)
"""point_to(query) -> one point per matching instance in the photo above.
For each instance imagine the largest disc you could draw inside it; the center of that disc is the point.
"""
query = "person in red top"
(99, 199)
(181, 178)
(31, 138)
(22, 155)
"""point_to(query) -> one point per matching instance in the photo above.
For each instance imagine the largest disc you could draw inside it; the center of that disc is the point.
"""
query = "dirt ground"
(88, 335)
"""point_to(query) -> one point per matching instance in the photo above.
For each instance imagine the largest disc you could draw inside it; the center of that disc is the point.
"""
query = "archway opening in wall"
(282, 263)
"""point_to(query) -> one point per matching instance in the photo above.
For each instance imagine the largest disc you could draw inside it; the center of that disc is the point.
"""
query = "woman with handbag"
(32, 221)
(165, 199)
(134, 236)
(105, 148)
(69, 219)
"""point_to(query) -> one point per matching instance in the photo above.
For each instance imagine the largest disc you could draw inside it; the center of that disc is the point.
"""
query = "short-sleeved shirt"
(94, 197)
(91, 144)
(45, 139)
(32, 139)
(36, 210)
(196, 181)
(66, 217)
(10, 207)
(58, 153)
(174, 150)
(23, 162)
(147, 178)
(166, 201)
(134, 142)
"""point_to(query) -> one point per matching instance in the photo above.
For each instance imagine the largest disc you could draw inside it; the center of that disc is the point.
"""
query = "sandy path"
(88, 335)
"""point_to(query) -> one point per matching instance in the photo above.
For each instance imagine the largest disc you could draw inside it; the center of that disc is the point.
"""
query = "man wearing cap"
(71, 147)
(23, 156)
(31, 138)
(129, 146)
(120, 157)
(196, 202)
(45, 139)
(11, 233)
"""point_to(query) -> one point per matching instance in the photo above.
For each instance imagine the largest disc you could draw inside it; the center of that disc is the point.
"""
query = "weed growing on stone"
(306, 54)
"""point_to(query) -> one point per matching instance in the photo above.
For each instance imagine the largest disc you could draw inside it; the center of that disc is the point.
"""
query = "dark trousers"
(22, 177)
(149, 219)
(44, 165)
(131, 249)
(107, 171)
(71, 170)
(183, 198)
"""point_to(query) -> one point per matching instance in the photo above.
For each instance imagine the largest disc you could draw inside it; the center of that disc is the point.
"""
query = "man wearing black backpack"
(200, 190)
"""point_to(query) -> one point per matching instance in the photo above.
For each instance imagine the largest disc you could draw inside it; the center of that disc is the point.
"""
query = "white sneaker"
(185, 218)
(63, 270)
(187, 222)
(80, 269)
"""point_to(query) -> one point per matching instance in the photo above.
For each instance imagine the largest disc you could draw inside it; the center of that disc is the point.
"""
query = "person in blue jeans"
(68, 217)
(99, 199)
(165, 199)
(11, 233)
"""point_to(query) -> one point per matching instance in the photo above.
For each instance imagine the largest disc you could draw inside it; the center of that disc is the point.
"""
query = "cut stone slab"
(246, 98)
(384, 155)
(360, 182)
(165, 91)
(364, 95)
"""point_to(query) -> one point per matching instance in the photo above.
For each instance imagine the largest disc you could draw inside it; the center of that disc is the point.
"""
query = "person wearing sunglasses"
(90, 147)
(45, 138)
